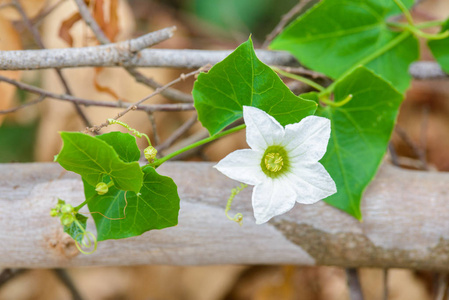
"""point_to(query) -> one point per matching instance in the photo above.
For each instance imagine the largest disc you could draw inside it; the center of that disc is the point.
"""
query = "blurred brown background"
(420, 141)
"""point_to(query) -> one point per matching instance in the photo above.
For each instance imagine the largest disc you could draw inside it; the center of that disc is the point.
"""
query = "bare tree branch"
(113, 55)
(110, 56)
(86, 102)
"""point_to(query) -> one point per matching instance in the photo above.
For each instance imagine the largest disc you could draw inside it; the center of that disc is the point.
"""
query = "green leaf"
(360, 131)
(242, 79)
(123, 143)
(74, 230)
(336, 36)
(155, 207)
(92, 158)
(440, 49)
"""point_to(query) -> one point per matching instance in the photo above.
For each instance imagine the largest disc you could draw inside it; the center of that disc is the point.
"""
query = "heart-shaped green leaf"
(155, 207)
(336, 36)
(242, 79)
(440, 49)
(92, 158)
(360, 131)
(124, 145)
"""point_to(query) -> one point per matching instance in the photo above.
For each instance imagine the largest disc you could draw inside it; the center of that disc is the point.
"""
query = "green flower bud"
(67, 209)
(150, 153)
(54, 212)
(101, 188)
(67, 219)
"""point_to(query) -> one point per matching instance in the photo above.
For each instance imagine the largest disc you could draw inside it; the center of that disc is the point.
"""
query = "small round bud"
(67, 219)
(54, 212)
(101, 188)
(150, 153)
(67, 209)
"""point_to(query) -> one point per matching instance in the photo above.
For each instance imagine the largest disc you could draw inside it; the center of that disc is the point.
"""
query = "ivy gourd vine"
(358, 44)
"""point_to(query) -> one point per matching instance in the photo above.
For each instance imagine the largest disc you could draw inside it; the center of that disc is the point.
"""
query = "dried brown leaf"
(66, 25)
(102, 88)
(112, 28)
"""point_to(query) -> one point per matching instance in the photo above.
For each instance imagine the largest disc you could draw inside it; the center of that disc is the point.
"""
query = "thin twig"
(170, 93)
(393, 154)
(284, 20)
(8, 274)
(385, 283)
(87, 102)
(37, 38)
(178, 133)
(42, 15)
(156, 139)
(442, 285)
(64, 277)
(197, 136)
(90, 21)
(415, 148)
(103, 39)
(423, 137)
(156, 92)
(33, 102)
(355, 289)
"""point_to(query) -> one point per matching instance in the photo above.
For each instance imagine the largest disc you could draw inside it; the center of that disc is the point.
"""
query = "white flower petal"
(312, 182)
(272, 198)
(262, 130)
(243, 165)
(308, 138)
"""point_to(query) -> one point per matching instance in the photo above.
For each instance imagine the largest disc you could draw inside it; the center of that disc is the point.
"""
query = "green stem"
(428, 36)
(419, 26)
(81, 205)
(336, 104)
(393, 43)
(299, 78)
(430, 24)
(159, 162)
(405, 11)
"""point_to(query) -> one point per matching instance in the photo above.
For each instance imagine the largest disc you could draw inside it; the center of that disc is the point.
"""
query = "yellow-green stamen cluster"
(274, 162)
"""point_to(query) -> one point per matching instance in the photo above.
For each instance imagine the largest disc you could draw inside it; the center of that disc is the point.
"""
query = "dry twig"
(114, 104)
(284, 20)
(178, 133)
(156, 92)
(37, 38)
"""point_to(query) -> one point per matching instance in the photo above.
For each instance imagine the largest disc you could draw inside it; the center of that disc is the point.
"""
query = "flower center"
(274, 162)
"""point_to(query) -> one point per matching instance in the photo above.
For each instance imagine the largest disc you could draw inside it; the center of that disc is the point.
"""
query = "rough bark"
(405, 224)
(117, 55)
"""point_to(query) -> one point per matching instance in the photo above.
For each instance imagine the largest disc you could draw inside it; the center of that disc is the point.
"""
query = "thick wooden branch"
(405, 224)
(102, 56)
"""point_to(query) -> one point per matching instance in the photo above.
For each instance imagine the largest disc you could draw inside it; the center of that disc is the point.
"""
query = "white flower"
(282, 163)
